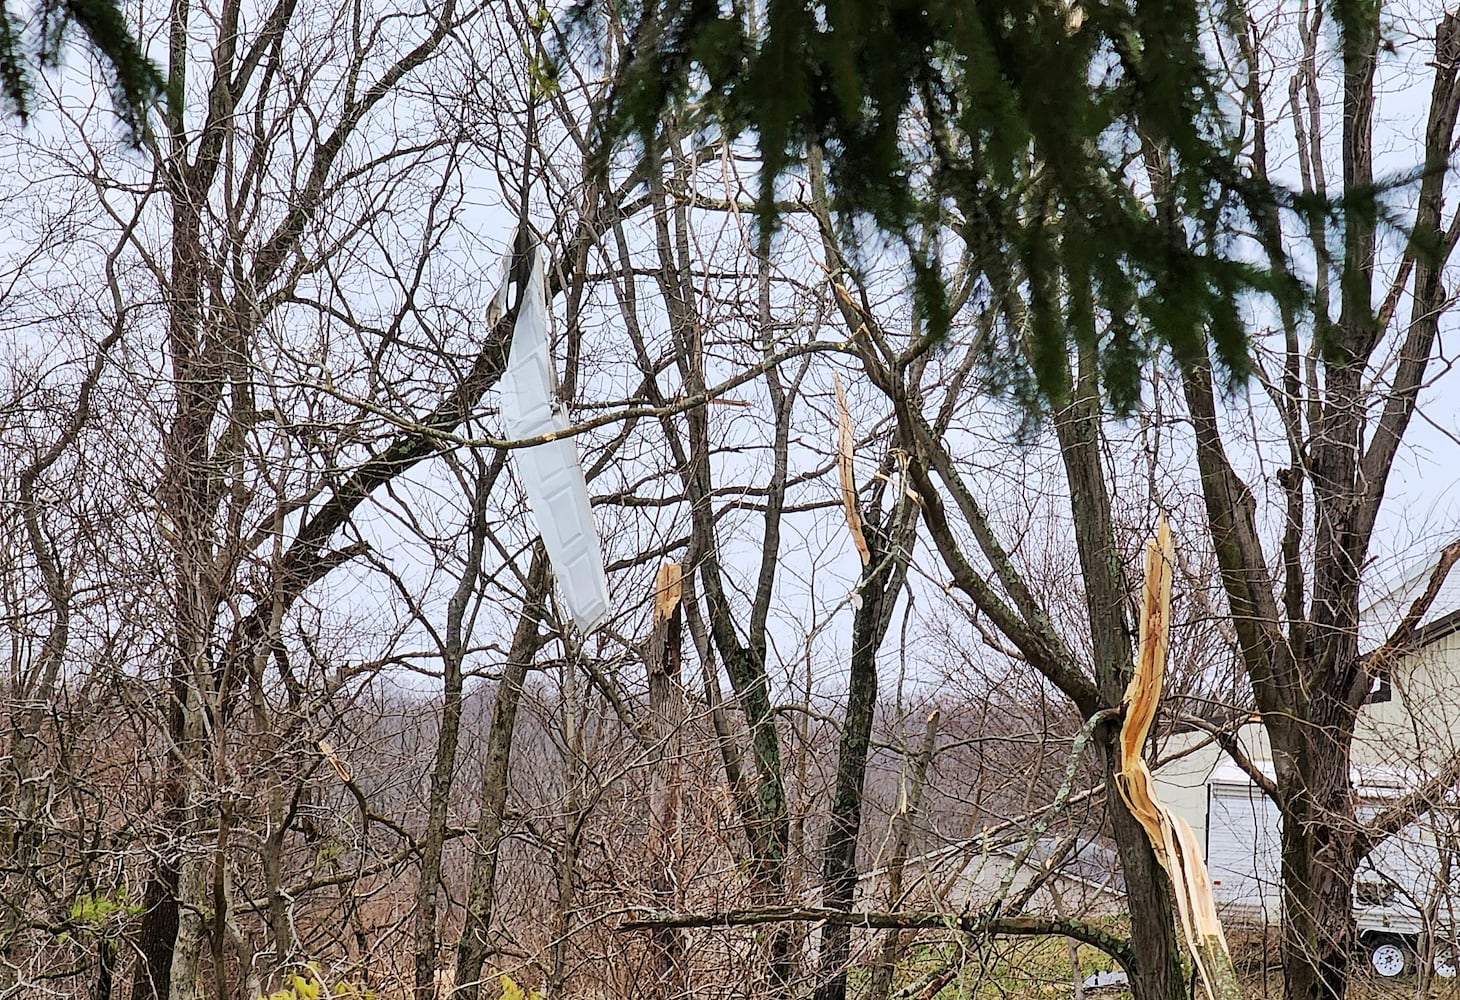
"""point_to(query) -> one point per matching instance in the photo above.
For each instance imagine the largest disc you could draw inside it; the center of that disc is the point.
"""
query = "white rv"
(1405, 893)
(1408, 731)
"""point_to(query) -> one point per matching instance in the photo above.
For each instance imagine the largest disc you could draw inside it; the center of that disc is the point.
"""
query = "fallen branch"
(1078, 930)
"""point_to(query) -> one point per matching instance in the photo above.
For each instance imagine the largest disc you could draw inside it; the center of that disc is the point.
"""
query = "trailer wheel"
(1388, 956)
(1444, 962)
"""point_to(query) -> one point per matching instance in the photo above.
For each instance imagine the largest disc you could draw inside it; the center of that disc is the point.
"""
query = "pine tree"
(133, 79)
(1016, 121)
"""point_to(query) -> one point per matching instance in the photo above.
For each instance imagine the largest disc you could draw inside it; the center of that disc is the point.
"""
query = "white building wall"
(1185, 767)
(1418, 729)
(1408, 737)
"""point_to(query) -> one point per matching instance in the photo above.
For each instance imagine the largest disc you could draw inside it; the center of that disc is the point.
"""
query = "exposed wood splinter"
(1171, 836)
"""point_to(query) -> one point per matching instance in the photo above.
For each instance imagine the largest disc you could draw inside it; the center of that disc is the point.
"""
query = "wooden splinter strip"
(1171, 836)
(845, 441)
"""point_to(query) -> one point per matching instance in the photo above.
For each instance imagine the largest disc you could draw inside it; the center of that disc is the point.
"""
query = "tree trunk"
(570, 703)
(883, 573)
(157, 933)
(1157, 974)
(433, 842)
(666, 712)
(456, 642)
(184, 977)
(839, 872)
(768, 826)
(1318, 828)
(106, 964)
(886, 966)
(475, 943)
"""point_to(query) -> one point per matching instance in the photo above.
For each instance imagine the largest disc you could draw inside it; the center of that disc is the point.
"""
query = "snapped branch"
(1076, 930)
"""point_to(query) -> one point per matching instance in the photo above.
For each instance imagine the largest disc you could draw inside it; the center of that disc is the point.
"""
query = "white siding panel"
(551, 474)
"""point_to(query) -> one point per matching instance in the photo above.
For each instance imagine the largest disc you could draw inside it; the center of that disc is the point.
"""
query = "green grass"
(1036, 968)
(1011, 968)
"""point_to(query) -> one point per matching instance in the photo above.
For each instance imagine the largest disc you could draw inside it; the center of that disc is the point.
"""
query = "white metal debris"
(550, 472)
(1103, 980)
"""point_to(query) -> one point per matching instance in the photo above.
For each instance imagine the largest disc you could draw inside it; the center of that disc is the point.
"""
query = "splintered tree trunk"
(666, 710)
(1148, 897)
(1157, 975)
(881, 539)
(765, 814)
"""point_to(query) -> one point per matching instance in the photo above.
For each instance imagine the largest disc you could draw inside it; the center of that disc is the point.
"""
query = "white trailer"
(1403, 900)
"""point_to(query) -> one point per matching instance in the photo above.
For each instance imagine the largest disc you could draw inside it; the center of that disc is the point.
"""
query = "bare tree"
(1344, 397)
(290, 691)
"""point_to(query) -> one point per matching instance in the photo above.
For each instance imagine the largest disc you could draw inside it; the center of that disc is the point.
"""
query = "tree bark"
(666, 712)
(887, 538)
(458, 638)
(886, 966)
(475, 942)
(1157, 974)
(1319, 860)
